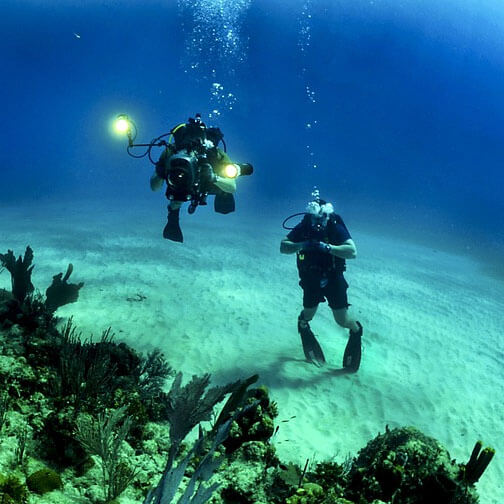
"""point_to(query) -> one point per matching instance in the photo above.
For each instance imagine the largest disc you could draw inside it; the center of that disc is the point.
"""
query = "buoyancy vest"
(318, 262)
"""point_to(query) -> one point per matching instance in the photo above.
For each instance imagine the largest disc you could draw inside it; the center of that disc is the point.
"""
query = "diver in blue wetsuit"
(323, 244)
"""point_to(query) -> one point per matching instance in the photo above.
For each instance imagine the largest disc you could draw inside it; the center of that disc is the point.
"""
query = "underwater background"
(393, 108)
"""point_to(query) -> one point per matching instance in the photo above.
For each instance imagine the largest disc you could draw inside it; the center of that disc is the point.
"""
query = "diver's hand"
(316, 246)
(160, 170)
(207, 173)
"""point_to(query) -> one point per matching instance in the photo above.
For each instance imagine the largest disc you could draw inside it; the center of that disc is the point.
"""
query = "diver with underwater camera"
(193, 167)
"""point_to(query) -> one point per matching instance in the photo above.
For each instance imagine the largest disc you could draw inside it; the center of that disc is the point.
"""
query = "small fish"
(76, 35)
(294, 416)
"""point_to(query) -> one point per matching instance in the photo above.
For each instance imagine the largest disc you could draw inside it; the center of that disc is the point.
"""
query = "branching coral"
(151, 374)
(20, 270)
(60, 292)
(186, 407)
(207, 465)
(103, 436)
(86, 371)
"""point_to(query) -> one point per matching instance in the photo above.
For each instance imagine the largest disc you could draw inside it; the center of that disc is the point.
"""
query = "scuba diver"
(193, 166)
(322, 244)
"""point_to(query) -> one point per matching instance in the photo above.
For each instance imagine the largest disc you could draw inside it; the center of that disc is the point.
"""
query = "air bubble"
(214, 28)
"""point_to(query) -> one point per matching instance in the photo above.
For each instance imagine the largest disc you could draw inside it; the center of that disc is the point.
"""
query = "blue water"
(393, 108)
(398, 104)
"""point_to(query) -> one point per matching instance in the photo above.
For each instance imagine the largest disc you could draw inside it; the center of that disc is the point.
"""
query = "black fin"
(224, 202)
(353, 351)
(172, 229)
(311, 347)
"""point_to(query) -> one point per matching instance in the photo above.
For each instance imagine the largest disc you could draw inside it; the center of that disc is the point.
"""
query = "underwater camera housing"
(188, 173)
(183, 173)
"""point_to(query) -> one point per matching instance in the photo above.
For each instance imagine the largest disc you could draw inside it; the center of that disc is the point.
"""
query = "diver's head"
(196, 120)
(319, 212)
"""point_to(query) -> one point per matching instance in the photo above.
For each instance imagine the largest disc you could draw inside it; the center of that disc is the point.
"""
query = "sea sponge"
(43, 481)
(308, 493)
(257, 423)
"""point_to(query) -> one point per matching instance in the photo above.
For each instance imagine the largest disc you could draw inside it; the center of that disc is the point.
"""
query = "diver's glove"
(207, 174)
(316, 246)
(161, 170)
(162, 164)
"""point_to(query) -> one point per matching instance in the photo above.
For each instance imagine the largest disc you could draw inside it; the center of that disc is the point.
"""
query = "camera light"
(122, 124)
(231, 171)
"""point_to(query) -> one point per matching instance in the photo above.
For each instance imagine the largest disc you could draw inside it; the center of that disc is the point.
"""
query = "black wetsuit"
(320, 273)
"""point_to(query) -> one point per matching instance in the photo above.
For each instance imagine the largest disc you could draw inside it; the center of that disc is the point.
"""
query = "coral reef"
(94, 418)
(257, 424)
(186, 407)
(309, 492)
(12, 490)
(25, 307)
(404, 465)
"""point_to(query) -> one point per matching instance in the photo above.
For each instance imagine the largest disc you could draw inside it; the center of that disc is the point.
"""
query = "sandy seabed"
(226, 302)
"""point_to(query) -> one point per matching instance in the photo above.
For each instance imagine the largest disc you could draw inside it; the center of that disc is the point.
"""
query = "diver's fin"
(224, 202)
(352, 355)
(172, 229)
(311, 347)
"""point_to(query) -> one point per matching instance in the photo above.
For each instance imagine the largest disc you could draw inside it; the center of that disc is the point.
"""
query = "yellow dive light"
(122, 124)
(232, 171)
